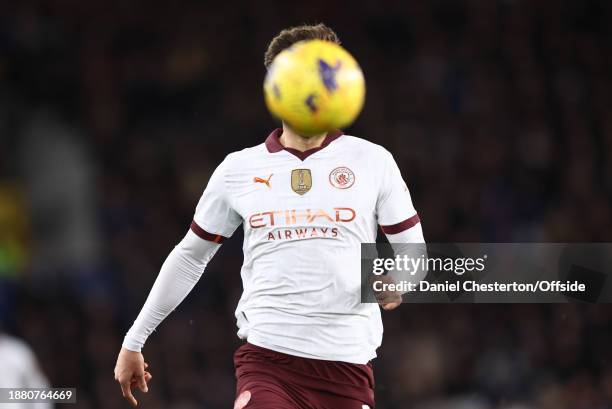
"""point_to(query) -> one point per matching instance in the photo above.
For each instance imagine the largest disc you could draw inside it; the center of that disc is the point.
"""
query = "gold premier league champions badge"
(301, 180)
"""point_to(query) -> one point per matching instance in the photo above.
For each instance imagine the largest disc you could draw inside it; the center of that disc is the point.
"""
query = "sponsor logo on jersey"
(300, 233)
(301, 180)
(264, 181)
(342, 177)
(291, 217)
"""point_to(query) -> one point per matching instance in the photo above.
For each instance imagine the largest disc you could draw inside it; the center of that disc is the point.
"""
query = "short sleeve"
(214, 218)
(394, 207)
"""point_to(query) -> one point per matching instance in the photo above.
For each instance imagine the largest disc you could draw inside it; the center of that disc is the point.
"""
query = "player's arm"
(213, 221)
(400, 222)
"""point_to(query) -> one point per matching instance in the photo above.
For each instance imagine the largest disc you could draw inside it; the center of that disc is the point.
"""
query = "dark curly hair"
(292, 35)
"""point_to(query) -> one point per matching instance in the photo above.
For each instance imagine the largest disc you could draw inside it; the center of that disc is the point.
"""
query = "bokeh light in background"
(113, 114)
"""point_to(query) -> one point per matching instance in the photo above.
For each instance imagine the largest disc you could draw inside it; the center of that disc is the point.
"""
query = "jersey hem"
(360, 360)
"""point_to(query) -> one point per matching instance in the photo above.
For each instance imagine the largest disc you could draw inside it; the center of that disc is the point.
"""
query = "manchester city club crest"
(301, 180)
(342, 177)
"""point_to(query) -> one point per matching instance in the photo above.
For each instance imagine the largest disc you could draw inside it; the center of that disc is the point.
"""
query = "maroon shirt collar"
(273, 143)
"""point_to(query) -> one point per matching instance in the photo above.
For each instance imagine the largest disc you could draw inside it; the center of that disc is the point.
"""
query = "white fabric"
(19, 369)
(301, 270)
(178, 275)
(404, 244)
(394, 203)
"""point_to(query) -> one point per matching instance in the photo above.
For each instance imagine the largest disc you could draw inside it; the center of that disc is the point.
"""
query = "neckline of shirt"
(273, 144)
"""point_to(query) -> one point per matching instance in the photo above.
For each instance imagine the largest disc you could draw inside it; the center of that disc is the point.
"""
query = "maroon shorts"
(272, 380)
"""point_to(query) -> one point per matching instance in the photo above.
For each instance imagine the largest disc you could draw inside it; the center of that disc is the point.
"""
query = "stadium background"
(114, 113)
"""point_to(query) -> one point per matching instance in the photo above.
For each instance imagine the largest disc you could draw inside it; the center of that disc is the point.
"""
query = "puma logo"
(264, 181)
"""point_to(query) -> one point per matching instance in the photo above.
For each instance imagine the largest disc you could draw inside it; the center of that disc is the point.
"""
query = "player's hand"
(130, 372)
(388, 300)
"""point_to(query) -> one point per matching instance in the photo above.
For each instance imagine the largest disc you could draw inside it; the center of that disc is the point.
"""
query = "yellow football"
(315, 86)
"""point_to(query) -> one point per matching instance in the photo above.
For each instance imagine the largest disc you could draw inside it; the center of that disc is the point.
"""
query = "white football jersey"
(304, 216)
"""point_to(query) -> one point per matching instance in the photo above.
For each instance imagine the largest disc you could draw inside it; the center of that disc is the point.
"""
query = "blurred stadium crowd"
(114, 113)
